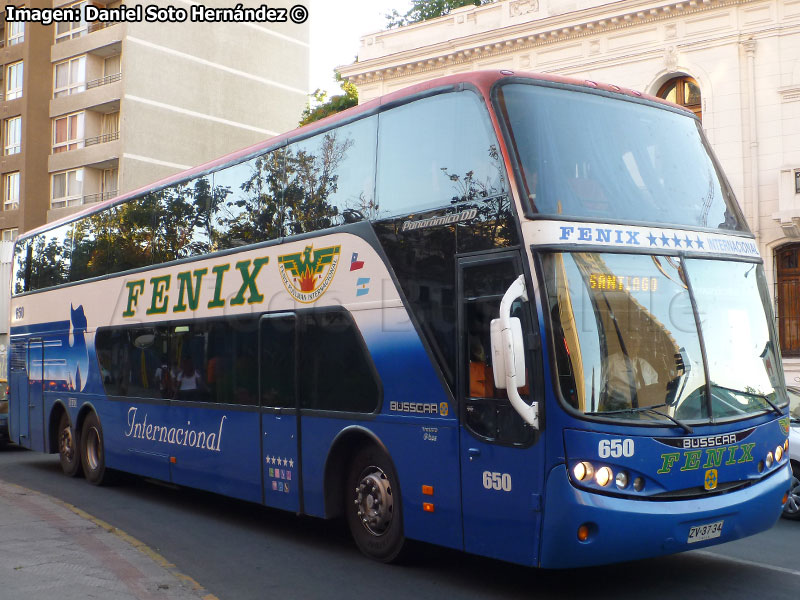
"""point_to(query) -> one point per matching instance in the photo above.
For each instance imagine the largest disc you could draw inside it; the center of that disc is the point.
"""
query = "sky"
(336, 30)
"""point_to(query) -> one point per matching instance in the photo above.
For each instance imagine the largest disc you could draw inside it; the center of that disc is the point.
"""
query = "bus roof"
(482, 80)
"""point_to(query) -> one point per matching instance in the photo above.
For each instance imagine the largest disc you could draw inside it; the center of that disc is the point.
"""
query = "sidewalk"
(49, 549)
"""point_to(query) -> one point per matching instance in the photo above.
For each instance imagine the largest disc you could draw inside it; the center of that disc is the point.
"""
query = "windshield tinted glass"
(627, 340)
(585, 155)
(743, 366)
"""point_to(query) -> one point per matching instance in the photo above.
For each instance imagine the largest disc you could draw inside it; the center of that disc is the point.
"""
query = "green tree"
(325, 106)
(422, 10)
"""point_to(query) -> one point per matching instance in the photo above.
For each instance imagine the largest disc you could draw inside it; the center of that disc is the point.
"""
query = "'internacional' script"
(173, 436)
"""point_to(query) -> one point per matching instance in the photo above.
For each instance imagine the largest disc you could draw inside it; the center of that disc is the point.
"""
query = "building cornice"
(525, 35)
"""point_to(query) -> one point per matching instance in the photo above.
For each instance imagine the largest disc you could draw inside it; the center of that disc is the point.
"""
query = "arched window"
(685, 91)
(787, 261)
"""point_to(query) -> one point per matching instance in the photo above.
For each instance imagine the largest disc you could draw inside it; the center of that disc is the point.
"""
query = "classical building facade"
(93, 109)
(735, 63)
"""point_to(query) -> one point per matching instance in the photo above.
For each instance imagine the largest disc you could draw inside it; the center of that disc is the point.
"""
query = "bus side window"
(335, 369)
(278, 349)
(488, 412)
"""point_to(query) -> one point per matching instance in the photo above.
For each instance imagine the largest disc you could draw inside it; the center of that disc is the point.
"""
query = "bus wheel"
(92, 451)
(68, 448)
(373, 506)
(791, 509)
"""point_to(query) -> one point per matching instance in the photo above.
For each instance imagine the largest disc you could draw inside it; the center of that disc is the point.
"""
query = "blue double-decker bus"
(516, 315)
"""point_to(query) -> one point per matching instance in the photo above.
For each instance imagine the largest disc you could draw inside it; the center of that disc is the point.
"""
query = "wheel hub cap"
(374, 502)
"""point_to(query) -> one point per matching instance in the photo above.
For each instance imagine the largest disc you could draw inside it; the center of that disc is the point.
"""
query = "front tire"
(791, 510)
(68, 452)
(372, 505)
(92, 452)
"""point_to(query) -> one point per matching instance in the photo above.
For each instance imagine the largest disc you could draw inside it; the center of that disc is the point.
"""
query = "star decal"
(677, 240)
(653, 239)
(664, 240)
(688, 241)
(268, 457)
(291, 463)
(699, 242)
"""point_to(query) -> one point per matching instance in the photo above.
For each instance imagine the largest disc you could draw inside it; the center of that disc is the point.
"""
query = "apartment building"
(94, 109)
(734, 63)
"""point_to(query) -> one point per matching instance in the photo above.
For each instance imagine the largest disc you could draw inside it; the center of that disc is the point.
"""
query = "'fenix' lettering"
(185, 294)
(710, 458)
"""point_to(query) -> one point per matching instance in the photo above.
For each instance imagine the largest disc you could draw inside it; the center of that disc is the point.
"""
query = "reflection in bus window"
(625, 334)
(656, 167)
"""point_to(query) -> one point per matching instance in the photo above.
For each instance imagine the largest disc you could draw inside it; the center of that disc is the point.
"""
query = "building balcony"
(102, 95)
(100, 152)
(77, 205)
(102, 39)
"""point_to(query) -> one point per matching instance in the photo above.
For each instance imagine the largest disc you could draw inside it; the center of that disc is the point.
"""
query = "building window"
(67, 189)
(13, 135)
(67, 30)
(14, 81)
(68, 132)
(11, 191)
(684, 91)
(787, 297)
(16, 32)
(69, 77)
(112, 65)
(110, 177)
(9, 235)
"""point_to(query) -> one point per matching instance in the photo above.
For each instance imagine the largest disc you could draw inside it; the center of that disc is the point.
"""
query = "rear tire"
(372, 505)
(92, 453)
(68, 451)
(791, 509)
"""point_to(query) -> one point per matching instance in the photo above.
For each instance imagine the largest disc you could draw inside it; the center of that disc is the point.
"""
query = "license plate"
(705, 532)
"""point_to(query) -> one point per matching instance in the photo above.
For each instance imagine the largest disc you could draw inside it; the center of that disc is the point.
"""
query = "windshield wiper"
(751, 394)
(650, 409)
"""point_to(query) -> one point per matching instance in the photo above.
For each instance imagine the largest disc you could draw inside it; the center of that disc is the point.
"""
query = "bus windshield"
(588, 156)
(638, 335)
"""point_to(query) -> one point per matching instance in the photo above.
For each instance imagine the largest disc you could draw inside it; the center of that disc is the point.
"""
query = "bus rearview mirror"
(508, 353)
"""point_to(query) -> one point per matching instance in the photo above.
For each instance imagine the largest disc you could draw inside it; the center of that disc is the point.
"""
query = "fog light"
(582, 471)
(769, 459)
(604, 476)
(621, 480)
(583, 533)
(778, 454)
(638, 484)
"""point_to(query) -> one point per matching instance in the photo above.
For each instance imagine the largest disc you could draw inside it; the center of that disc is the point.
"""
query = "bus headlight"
(621, 480)
(603, 476)
(583, 471)
(778, 454)
(769, 459)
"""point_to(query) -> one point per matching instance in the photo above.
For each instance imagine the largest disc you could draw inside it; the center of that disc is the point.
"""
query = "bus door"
(280, 449)
(31, 422)
(501, 461)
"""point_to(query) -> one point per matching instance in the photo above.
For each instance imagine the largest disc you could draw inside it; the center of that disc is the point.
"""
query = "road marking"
(748, 563)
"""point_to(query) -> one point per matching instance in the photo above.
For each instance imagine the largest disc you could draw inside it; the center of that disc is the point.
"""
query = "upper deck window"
(434, 153)
(587, 156)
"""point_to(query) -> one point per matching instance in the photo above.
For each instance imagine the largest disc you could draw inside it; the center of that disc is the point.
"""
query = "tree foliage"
(422, 10)
(325, 106)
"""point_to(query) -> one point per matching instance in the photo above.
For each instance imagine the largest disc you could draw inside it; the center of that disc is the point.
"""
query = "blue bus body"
(465, 471)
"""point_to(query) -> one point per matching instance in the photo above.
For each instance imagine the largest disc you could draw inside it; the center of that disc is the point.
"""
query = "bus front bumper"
(622, 529)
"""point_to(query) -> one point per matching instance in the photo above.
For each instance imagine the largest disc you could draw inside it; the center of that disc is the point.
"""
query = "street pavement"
(50, 549)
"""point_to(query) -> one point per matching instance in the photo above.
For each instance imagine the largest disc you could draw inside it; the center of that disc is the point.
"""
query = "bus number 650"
(497, 481)
(615, 448)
